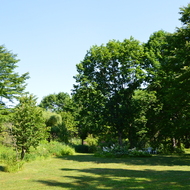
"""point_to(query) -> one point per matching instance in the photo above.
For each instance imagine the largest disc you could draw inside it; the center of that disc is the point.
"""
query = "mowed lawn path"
(86, 172)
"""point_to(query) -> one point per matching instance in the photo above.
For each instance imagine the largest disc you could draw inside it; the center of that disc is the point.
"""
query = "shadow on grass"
(100, 178)
(161, 160)
(103, 178)
(1, 168)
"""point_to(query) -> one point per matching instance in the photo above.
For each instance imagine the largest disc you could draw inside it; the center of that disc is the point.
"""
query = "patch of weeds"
(13, 165)
(43, 151)
(46, 150)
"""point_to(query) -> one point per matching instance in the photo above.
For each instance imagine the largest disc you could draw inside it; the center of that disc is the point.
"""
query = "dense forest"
(126, 93)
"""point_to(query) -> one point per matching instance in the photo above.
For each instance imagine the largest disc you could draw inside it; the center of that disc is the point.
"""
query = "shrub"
(5, 152)
(82, 148)
(75, 141)
(9, 158)
(120, 151)
(13, 165)
(179, 150)
(104, 154)
(167, 148)
(92, 143)
(45, 150)
(138, 153)
(112, 151)
(67, 150)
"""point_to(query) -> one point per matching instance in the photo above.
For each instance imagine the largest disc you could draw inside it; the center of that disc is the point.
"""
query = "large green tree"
(28, 125)
(60, 104)
(179, 92)
(52, 121)
(168, 70)
(88, 114)
(57, 102)
(144, 104)
(108, 76)
(12, 85)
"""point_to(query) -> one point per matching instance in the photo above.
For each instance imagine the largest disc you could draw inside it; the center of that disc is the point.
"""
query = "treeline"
(126, 92)
(138, 92)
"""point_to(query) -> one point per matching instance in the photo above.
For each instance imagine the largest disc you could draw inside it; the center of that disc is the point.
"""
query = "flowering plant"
(120, 151)
(138, 153)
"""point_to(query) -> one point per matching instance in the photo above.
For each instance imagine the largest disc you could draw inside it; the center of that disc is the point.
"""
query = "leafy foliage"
(60, 116)
(118, 151)
(56, 102)
(28, 125)
(44, 150)
(107, 79)
(11, 84)
(82, 148)
(137, 92)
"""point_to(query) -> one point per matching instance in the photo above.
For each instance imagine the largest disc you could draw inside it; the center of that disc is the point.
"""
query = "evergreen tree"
(11, 83)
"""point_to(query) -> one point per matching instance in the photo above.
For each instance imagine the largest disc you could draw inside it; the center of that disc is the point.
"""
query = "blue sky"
(51, 36)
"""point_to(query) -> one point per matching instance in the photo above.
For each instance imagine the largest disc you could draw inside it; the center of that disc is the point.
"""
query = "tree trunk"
(120, 141)
(132, 137)
(187, 141)
(23, 153)
(174, 142)
(179, 143)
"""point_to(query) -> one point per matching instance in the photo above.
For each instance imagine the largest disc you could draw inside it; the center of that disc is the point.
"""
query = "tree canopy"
(56, 102)
(28, 125)
(115, 79)
(11, 83)
(111, 73)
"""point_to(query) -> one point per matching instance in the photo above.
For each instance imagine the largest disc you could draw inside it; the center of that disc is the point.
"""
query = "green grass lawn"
(86, 172)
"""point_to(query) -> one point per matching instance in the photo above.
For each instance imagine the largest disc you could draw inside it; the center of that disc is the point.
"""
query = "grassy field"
(86, 172)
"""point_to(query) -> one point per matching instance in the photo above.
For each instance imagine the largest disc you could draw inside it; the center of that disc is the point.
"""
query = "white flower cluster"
(116, 150)
(108, 149)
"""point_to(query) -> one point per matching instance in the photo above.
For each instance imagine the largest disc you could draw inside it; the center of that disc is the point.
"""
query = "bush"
(167, 148)
(179, 150)
(9, 158)
(92, 143)
(13, 165)
(138, 153)
(112, 151)
(75, 141)
(120, 151)
(5, 152)
(82, 148)
(104, 154)
(45, 150)
(67, 150)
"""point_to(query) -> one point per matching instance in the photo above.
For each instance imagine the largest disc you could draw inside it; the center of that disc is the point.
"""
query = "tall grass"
(10, 159)
(12, 163)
